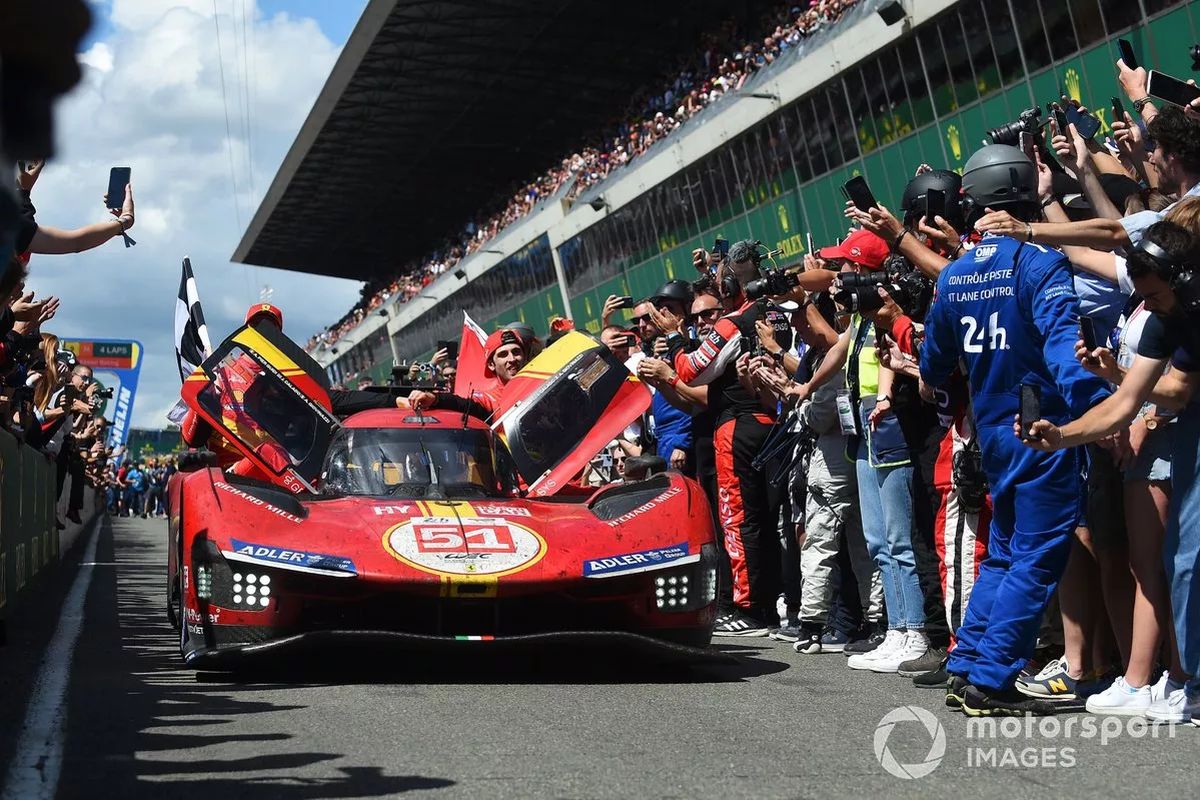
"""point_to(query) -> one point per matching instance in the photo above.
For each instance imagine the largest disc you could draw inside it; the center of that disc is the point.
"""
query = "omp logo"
(1072, 84)
(984, 251)
(937, 746)
(1058, 685)
(955, 140)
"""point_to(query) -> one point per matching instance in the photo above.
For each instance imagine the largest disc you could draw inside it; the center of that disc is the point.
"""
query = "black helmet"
(942, 180)
(1001, 177)
(674, 290)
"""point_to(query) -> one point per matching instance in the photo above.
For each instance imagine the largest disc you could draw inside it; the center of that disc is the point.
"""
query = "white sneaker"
(1177, 706)
(1121, 699)
(1158, 690)
(914, 645)
(891, 643)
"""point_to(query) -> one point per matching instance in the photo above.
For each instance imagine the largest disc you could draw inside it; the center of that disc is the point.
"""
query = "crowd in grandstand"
(716, 71)
(990, 489)
(48, 401)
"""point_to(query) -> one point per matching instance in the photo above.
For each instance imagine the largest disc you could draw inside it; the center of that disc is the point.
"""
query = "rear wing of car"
(563, 407)
(270, 400)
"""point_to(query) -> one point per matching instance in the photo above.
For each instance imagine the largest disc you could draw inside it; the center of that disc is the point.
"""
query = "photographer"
(1163, 269)
(750, 504)
(1009, 311)
(44, 239)
(77, 401)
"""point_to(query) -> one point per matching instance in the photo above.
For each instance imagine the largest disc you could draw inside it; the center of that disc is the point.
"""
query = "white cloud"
(151, 99)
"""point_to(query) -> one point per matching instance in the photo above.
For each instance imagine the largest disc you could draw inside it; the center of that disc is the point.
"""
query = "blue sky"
(151, 97)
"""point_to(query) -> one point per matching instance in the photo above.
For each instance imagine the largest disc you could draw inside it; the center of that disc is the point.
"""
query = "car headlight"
(690, 587)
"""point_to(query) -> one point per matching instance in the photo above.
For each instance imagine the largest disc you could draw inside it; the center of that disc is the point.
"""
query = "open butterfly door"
(270, 400)
(563, 407)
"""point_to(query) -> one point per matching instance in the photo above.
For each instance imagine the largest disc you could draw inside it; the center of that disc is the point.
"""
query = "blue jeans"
(1181, 547)
(886, 502)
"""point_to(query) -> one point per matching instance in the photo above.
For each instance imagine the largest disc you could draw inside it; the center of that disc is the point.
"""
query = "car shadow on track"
(559, 665)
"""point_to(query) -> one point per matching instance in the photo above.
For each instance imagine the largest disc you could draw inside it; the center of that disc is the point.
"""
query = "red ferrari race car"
(429, 528)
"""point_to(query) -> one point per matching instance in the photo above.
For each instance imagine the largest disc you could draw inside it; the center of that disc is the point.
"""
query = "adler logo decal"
(293, 558)
(637, 562)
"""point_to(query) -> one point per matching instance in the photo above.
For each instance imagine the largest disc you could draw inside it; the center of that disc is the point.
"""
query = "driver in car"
(503, 357)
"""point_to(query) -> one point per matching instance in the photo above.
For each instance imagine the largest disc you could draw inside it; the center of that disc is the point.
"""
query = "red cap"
(264, 310)
(495, 341)
(861, 247)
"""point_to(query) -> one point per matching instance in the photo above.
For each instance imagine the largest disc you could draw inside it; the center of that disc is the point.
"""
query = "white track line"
(37, 761)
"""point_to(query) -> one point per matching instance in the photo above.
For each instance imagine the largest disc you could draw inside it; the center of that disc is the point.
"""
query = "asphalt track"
(775, 724)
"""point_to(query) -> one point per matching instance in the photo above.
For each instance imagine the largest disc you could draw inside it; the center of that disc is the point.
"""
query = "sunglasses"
(708, 314)
(644, 318)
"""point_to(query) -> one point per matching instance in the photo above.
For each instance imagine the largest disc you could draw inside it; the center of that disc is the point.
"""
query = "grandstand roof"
(436, 108)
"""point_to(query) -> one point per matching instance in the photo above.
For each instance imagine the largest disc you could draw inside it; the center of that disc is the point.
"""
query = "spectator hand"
(28, 176)
(125, 212)
(611, 306)
(1047, 436)
(678, 459)
(440, 357)
(701, 260)
(421, 401)
(666, 321)
(766, 335)
(654, 370)
(1100, 362)
(1133, 81)
(26, 309)
(878, 221)
(1001, 223)
(941, 233)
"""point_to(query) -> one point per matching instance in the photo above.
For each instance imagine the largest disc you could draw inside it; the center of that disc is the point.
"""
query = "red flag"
(472, 373)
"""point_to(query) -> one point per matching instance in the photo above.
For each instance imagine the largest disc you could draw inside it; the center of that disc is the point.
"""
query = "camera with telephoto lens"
(773, 282)
(911, 290)
(1029, 122)
(102, 394)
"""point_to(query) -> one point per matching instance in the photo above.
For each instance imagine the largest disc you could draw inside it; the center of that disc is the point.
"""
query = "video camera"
(773, 282)
(911, 290)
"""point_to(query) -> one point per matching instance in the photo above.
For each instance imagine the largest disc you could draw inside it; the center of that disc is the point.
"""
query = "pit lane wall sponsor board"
(29, 542)
(117, 364)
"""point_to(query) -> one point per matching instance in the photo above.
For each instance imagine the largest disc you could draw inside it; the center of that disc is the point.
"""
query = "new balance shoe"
(834, 641)
(893, 641)
(979, 702)
(956, 687)
(739, 623)
(1054, 682)
(866, 644)
(1121, 699)
(934, 657)
(1177, 706)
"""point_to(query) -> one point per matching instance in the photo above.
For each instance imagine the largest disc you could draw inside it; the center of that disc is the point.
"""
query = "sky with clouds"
(151, 99)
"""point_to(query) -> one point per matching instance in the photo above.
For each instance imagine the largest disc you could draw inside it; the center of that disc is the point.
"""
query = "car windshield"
(418, 462)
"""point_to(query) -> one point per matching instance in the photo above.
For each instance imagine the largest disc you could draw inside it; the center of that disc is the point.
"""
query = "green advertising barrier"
(28, 536)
